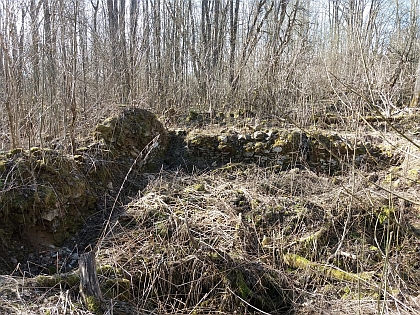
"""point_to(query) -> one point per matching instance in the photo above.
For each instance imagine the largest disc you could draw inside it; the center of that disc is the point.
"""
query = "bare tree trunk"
(95, 49)
(196, 62)
(34, 12)
(413, 32)
(416, 92)
(73, 106)
(11, 78)
(124, 72)
(133, 54)
(50, 71)
(89, 283)
(234, 11)
(282, 26)
(253, 36)
(146, 47)
(157, 47)
(83, 39)
(112, 6)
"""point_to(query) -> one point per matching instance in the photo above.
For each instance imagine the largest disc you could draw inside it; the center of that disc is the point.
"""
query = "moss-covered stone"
(45, 189)
(93, 304)
(134, 128)
(385, 214)
(109, 271)
(66, 281)
(244, 290)
(298, 262)
(323, 151)
(2, 166)
(117, 288)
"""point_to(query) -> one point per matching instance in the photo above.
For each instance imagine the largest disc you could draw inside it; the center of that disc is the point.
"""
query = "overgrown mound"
(128, 133)
(45, 194)
(44, 197)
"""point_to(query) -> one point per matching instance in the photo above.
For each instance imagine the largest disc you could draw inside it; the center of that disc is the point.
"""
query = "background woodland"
(64, 65)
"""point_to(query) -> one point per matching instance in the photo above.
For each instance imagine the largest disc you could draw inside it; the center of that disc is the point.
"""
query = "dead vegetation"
(249, 239)
(337, 235)
(254, 240)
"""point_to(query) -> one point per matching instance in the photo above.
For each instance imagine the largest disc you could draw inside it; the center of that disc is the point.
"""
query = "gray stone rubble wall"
(325, 152)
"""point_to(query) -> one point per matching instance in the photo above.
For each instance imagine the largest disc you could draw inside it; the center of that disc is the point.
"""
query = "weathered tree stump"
(89, 283)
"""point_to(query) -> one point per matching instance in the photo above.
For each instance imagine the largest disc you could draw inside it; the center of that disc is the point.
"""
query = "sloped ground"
(253, 240)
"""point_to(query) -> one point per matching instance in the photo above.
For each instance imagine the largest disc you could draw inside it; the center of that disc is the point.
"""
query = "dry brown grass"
(221, 241)
(251, 240)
